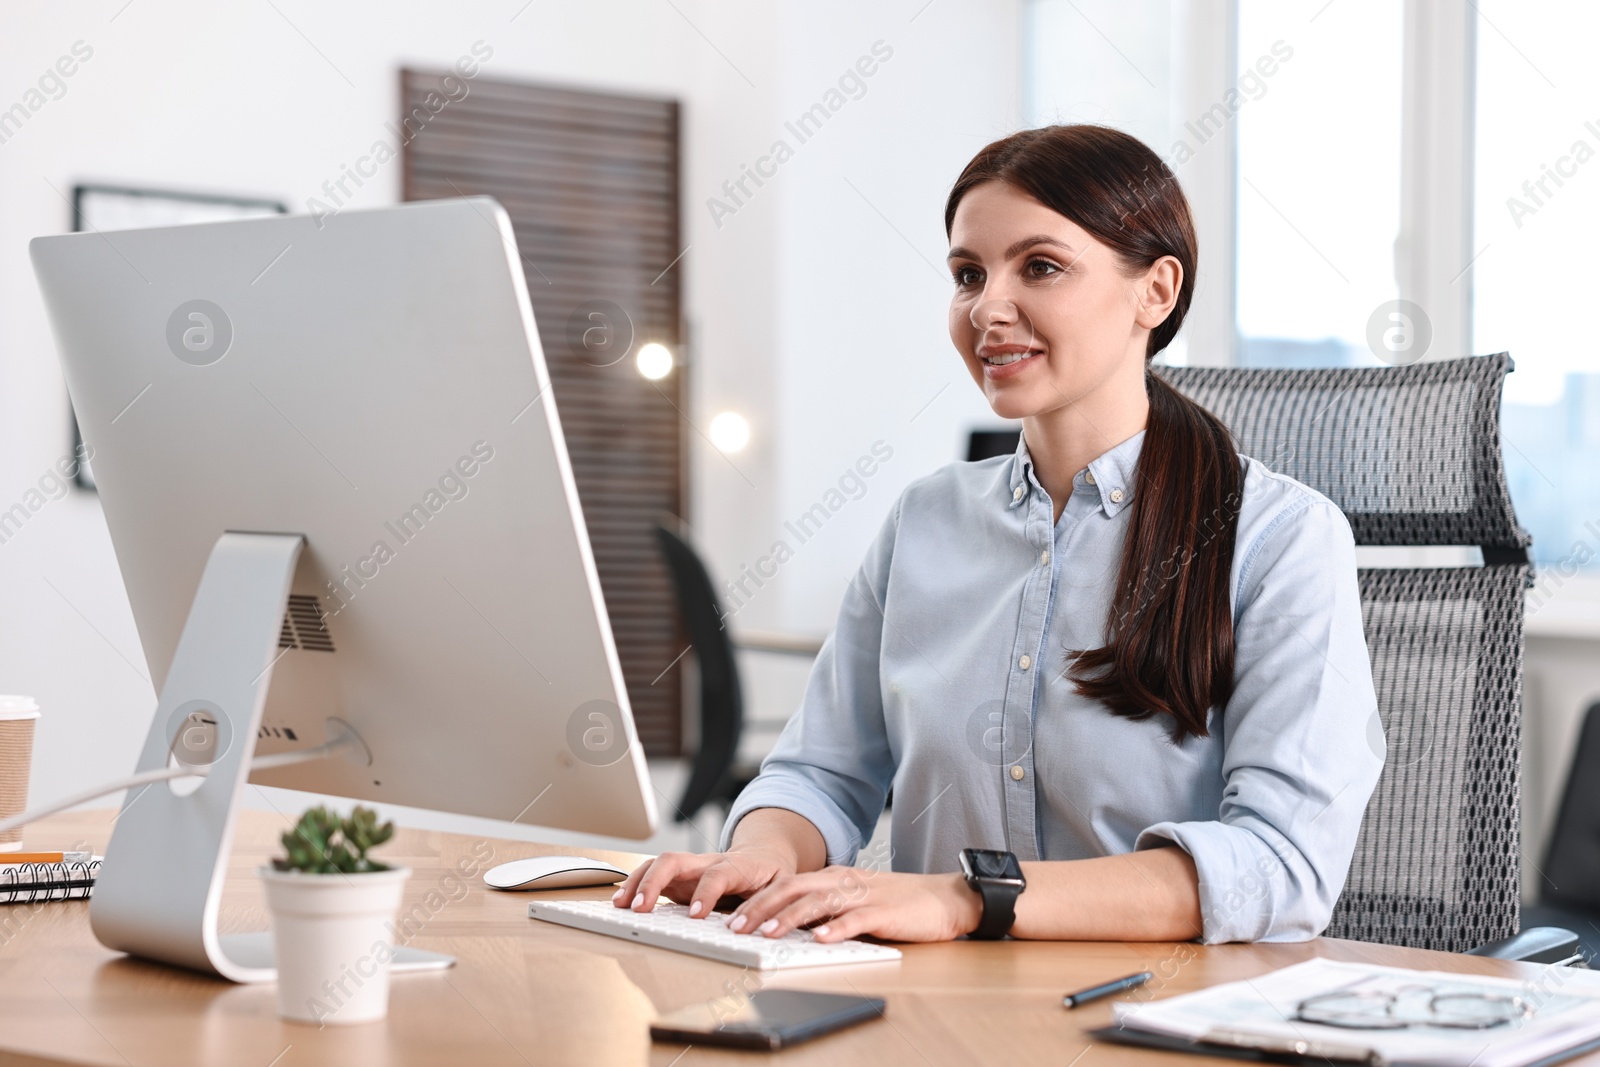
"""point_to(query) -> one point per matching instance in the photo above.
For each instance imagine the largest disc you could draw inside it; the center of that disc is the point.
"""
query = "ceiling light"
(655, 361)
(729, 432)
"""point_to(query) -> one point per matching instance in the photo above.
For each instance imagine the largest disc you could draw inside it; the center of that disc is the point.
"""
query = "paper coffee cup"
(17, 717)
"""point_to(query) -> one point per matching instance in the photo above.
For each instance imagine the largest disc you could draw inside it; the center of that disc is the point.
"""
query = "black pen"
(1095, 992)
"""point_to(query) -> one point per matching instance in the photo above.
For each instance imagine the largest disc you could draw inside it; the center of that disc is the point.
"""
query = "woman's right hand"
(701, 879)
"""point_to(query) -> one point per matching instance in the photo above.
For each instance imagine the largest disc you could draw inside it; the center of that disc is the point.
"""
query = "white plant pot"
(333, 940)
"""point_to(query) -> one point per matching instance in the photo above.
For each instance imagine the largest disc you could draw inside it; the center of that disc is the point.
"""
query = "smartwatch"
(997, 878)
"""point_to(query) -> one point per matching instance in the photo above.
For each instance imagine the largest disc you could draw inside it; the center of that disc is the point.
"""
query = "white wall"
(858, 341)
(864, 352)
(809, 313)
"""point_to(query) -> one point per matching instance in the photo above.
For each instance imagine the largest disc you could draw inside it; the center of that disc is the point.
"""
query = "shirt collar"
(1110, 475)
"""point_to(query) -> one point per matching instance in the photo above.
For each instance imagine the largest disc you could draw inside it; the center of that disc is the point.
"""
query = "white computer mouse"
(552, 872)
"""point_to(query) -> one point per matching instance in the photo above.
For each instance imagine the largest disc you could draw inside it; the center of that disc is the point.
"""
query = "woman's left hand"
(850, 901)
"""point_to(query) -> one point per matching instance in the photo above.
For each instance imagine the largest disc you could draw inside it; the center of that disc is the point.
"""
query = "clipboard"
(1259, 1051)
(1254, 1020)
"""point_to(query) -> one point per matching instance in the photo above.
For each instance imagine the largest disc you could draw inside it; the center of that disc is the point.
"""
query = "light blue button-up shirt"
(946, 677)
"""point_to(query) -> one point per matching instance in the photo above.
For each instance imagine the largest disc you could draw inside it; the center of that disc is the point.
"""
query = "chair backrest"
(721, 699)
(1572, 864)
(986, 444)
(1412, 456)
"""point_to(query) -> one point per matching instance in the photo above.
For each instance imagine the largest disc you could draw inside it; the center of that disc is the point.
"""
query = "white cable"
(265, 763)
(285, 759)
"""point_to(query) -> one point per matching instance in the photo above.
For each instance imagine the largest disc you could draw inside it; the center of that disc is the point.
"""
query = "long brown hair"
(1169, 633)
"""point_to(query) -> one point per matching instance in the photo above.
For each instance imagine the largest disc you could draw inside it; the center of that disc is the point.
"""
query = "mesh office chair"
(1412, 456)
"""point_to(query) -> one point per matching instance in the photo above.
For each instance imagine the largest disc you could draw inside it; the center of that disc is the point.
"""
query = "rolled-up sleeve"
(1302, 744)
(832, 764)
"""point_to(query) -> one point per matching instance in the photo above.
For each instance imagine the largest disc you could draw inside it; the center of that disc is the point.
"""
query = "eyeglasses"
(1409, 1006)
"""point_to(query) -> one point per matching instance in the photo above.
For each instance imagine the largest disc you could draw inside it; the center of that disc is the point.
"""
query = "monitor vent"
(305, 626)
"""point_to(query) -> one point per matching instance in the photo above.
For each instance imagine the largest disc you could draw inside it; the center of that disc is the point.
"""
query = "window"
(1319, 179)
(1537, 210)
(1306, 183)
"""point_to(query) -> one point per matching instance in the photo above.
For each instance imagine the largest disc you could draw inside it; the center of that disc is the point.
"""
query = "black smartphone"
(767, 1019)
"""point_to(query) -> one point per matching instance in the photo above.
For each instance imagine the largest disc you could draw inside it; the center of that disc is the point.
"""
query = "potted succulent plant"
(332, 912)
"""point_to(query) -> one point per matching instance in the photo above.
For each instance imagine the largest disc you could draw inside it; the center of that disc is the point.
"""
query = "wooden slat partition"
(590, 181)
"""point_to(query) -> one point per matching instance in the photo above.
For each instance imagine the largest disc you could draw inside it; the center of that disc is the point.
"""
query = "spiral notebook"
(34, 883)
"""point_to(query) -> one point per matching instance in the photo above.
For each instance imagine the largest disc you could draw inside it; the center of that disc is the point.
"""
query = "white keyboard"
(670, 927)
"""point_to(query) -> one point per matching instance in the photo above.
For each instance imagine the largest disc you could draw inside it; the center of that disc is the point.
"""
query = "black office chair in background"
(716, 775)
(986, 444)
(1569, 881)
(721, 697)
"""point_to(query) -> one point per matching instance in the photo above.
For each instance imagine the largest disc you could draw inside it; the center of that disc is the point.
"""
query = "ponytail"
(1169, 633)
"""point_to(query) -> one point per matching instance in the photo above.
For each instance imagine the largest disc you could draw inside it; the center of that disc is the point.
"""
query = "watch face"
(989, 863)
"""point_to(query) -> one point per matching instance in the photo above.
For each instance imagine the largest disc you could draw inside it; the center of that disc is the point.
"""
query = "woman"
(1125, 655)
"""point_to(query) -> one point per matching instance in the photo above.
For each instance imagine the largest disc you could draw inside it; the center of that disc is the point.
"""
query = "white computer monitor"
(334, 476)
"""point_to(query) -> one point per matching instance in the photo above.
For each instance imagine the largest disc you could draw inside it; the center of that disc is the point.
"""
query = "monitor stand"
(159, 890)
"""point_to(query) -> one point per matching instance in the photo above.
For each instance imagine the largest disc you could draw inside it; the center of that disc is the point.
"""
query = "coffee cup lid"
(18, 707)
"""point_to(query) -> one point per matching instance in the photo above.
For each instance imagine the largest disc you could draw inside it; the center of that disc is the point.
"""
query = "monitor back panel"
(373, 381)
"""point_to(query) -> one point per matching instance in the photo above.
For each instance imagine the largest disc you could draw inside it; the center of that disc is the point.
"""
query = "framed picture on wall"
(105, 208)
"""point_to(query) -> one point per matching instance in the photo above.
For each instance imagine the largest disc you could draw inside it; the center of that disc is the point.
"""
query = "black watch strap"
(999, 909)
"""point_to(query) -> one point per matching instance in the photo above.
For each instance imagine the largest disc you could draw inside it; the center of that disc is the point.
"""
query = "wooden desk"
(525, 992)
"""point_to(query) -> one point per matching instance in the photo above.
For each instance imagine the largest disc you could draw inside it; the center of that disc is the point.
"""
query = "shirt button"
(1116, 496)
(1044, 558)
(1018, 774)
(1088, 476)
(1016, 494)
(1025, 662)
